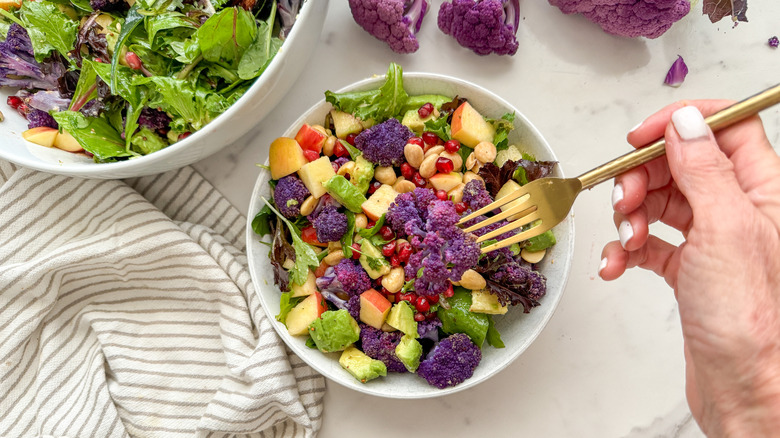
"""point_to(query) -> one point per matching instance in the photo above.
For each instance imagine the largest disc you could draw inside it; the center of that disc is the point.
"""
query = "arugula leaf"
(44, 20)
(95, 135)
(132, 21)
(305, 256)
(263, 49)
(378, 104)
(261, 224)
(503, 127)
(226, 35)
(717, 9)
(353, 151)
(346, 239)
(195, 105)
(368, 232)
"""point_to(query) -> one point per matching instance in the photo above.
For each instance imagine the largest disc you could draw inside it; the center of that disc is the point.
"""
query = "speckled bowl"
(517, 329)
(267, 91)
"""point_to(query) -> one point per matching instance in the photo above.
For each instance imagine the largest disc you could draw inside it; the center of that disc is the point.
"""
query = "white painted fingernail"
(689, 123)
(617, 194)
(636, 127)
(625, 232)
(602, 265)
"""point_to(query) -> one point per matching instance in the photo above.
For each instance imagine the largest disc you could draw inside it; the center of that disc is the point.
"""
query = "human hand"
(722, 192)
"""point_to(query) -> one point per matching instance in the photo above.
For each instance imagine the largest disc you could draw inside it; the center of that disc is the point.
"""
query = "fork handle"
(723, 118)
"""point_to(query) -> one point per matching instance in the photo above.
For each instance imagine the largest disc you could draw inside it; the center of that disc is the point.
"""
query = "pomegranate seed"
(442, 195)
(387, 233)
(351, 139)
(14, 101)
(394, 262)
(430, 138)
(311, 155)
(355, 251)
(425, 110)
(407, 171)
(422, 304)
(388, 249)
(419, 317)
(408, 297)
(452, 146)
(335, 166)
(391, 298)
(184, 135)
(415, 140)
(370, 224)
(133, 61)
(460, 207)
(99, 60)
(23, 109)
(433, 299)
(444, 165)
(450, 291)
(405, 253)
(339, 150)
(374, 186)
(418, 180)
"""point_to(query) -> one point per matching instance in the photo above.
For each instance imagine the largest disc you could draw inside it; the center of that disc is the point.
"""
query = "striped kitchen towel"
(126, 309)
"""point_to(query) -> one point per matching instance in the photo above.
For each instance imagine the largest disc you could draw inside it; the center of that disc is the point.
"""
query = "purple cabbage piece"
(677, 73)
(48, 101)
(287, 10)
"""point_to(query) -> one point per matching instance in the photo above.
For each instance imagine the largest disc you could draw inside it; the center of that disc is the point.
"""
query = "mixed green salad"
(117, 79)
(365, 243)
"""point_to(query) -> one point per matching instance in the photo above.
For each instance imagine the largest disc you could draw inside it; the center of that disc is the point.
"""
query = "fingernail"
(636, 127)
(617, 194)
(625, 232)
(602, 265)
(689, 123)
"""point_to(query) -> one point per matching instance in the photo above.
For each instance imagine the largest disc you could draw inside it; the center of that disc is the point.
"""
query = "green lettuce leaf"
(379, 104)
(132, 21)
(96, 135)
(226, 35)
(263, 49)
(48, 28)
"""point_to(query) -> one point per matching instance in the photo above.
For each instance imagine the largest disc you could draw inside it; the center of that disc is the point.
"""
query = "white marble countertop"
(610, 362)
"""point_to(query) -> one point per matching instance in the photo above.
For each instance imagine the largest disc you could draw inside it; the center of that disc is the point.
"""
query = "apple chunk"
(446, 181)
(310, 138)
(307, 288)
(374, 308)
(10, 4)
(285, 157)
(469, 127)
(67, 142)
(378, 203)
(304, 313)
(315, 173)
(42, 135)
(345, 123)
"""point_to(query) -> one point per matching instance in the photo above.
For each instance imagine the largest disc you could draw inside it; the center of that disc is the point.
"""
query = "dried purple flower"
(774, 42)
(677, 73)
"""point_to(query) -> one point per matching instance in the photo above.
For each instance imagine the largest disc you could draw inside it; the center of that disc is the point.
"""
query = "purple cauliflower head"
(484, 26)
(451, 361)
(409, 211)
(396, 22)
(475, 196)
(18, 67)
(383, 144)
(289, 194)
(380, 345)
(521, 278)
(352, 276)
(628, 18)
(330, 224)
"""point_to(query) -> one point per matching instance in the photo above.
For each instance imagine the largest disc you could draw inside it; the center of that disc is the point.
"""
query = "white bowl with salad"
(354, 248)
(124, 88)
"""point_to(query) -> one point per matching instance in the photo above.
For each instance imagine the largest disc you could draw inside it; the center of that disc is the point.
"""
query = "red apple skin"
(374, 308)
(310, 139)
(457, 119)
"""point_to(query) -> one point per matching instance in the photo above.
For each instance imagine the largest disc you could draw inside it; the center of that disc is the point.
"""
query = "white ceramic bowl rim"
(171, 151)
(330, 368)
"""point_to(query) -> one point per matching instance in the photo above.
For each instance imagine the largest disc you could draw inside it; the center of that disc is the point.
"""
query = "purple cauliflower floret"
(484, 26)
(773, 42)
(330, 224)
(289, 194)
(108, 5)
(381, 345)
(383, 144)
(153, 119)
(451, 361)
(36, 118)
(475, 196)
(429, 329)
(521, 278)
(396, 22)
(352, 277)
(408, 213)
(628, 18)
(18, 67)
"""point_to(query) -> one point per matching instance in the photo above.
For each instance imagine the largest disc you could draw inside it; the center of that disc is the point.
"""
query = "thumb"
(703, 173)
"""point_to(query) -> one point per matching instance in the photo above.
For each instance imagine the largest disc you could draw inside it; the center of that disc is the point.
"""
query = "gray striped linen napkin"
(126, 309)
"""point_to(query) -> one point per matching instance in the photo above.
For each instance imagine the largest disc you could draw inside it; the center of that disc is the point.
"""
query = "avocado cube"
(360, 365)
(409, 352)
(372, 260)
(401, 317)
(334, 331)
(345, 193)
(540, 242)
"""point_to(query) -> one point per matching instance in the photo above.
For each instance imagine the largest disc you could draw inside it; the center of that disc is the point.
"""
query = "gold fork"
(545, 202)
